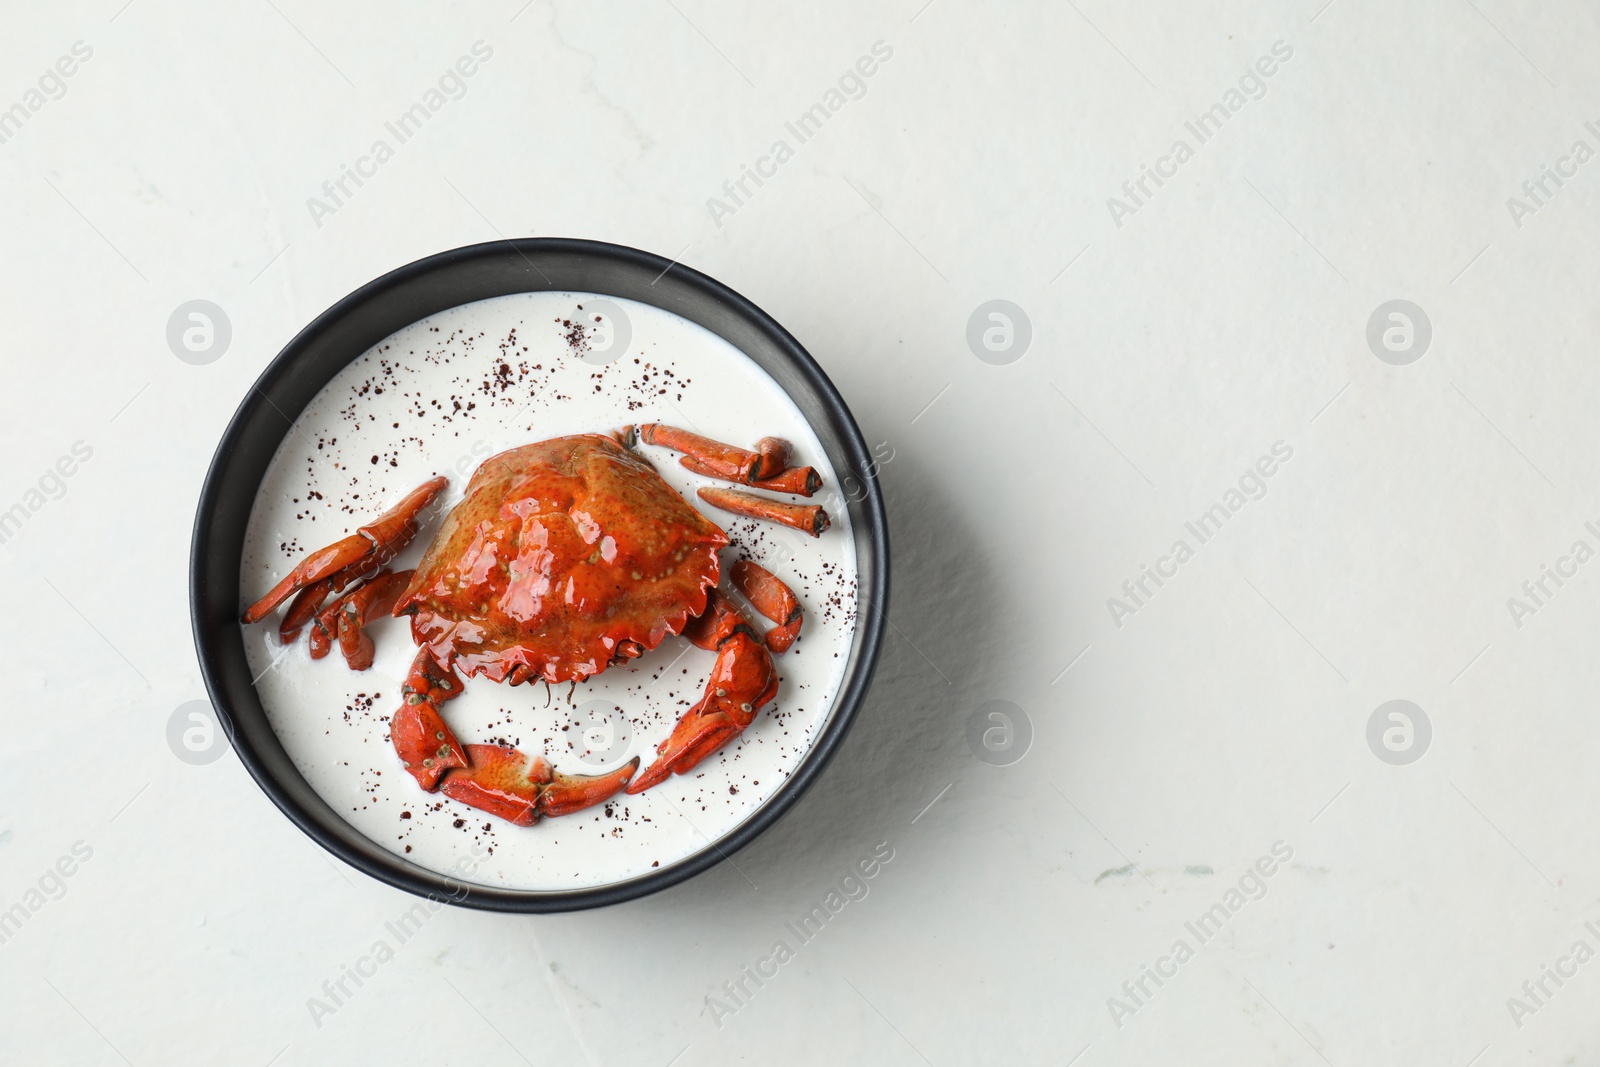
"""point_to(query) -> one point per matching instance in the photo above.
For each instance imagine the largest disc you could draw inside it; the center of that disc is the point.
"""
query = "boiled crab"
(563, 558)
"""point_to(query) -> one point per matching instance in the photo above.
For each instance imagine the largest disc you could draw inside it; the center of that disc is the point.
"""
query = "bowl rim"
(206, 596)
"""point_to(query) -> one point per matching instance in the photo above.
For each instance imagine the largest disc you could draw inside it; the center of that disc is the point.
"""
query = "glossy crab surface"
(563, 557)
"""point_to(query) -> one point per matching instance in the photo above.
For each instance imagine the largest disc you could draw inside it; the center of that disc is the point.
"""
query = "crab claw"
(369, 548)
(568, 793)
(505, 783)
(742, 680)
(501, 782)
(497, 779)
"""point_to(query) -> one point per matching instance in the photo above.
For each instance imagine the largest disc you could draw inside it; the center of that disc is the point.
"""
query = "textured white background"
(1228, 714)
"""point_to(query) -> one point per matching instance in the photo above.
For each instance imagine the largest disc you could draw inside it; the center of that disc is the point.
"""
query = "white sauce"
(441, 381)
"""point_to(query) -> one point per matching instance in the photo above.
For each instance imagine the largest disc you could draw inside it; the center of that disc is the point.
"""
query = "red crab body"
(563, 558)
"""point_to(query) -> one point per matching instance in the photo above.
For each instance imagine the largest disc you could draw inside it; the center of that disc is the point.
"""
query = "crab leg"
(374, 597)
(313, 569)
(497, 779)
(307, 604)
(377, 597)
(720, 621)
(807, 518)
(801, 481)
(773, 599)
(715, 458)
(324, 629)
(302, 609)
(372, 546)
(742, 680)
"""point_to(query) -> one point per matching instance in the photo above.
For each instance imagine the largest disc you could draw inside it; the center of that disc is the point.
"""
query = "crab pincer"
(497, 779)
(366, 550)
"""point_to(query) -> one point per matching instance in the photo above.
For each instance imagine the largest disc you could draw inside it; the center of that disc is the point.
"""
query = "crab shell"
(564, 557)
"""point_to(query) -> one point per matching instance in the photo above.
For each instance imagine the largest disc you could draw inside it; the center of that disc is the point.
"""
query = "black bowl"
(398, 299)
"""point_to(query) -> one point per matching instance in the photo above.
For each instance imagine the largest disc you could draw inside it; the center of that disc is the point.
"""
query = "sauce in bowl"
(439, 397)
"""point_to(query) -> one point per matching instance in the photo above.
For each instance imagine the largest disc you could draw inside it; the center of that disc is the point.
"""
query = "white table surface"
(1171, 347)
